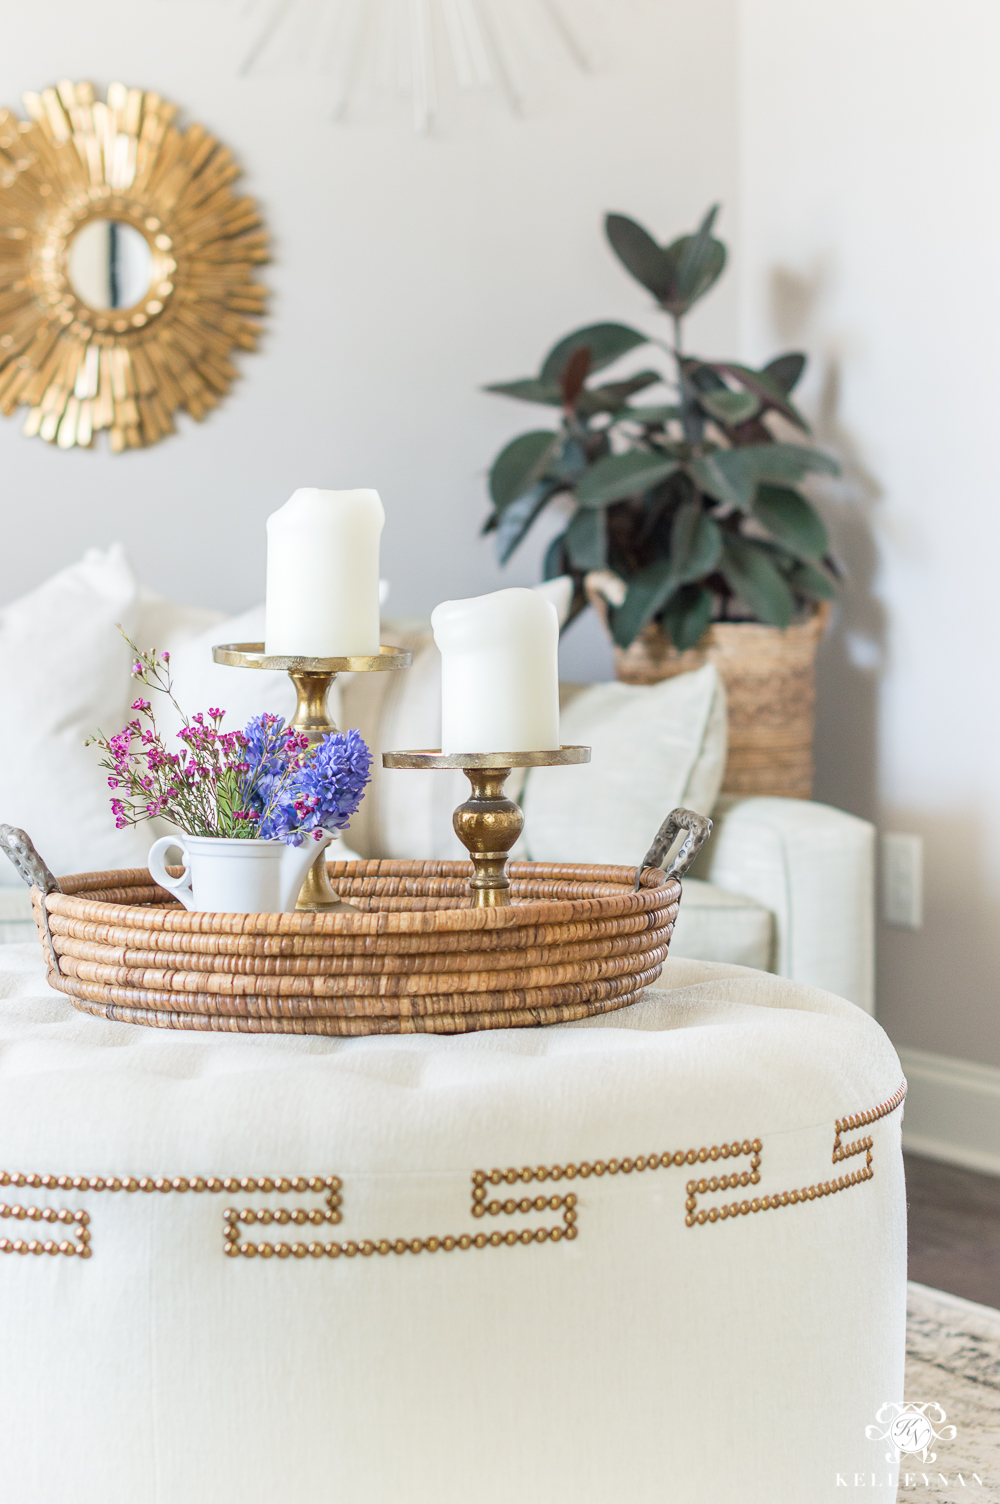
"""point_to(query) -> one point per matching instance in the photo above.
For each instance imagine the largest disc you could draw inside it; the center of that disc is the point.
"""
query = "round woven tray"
(414, 958)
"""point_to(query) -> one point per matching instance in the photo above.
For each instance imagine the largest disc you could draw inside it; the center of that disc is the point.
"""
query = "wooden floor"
(954, 1229)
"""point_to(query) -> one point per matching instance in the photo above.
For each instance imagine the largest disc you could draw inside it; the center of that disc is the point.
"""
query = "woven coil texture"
(413, 958)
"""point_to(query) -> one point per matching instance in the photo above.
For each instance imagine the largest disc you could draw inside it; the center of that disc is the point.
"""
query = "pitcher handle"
(180, 887)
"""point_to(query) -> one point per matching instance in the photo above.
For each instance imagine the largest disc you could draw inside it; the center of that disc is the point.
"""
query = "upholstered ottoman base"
(659, 1255)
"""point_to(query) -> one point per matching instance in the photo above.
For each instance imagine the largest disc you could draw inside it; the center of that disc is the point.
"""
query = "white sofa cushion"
(654, 747)
(64, 668)
(813, 867)
(714, 925)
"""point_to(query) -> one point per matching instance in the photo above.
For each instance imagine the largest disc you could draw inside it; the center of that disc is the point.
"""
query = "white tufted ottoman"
(600, 1333)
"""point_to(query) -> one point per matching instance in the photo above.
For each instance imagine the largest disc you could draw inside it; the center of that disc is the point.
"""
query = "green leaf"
(699, 261)
(515, 520)
(650, 415)
(805, 579)
(695, 550)
(571, 463)
(606, 343)
(786, 370)
(555, 562)
(517, 467)
(529, 390)
(586, 540)
(730, 407)
(792, 521)
(771, 393)
(618, 475)
(648, 590)
(687, 616)
(702, 377)
(749, 571)
(695, 543)
(733, 475)
(605, 399)
(640, 255)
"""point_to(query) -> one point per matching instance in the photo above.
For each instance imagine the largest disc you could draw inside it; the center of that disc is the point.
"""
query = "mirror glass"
(110, 264)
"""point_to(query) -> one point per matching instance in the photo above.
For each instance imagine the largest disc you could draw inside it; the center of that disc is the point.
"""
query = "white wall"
(407, 273)
(871, 235)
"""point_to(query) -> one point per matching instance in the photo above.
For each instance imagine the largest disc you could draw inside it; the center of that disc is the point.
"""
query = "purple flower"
(325, 791)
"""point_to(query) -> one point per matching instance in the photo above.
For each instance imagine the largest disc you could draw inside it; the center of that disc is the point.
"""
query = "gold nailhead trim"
(330, 1183)
(77, 1219)
(841, 1151)
(234, 1219)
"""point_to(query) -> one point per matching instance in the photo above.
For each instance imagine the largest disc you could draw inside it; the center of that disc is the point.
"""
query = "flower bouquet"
(254, 806)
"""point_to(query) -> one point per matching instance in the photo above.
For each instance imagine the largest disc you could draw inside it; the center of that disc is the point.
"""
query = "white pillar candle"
(499, 673)
(322, 575)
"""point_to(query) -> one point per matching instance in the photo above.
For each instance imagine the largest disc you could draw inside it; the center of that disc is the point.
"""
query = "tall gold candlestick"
(312, 678)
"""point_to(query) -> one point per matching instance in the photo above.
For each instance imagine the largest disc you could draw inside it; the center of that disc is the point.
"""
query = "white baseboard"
(952, 1110)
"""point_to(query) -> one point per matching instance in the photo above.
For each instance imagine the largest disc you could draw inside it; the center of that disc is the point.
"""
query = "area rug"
(953, 1360)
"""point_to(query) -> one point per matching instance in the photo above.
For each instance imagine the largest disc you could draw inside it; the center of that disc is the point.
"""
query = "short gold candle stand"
(488, 824)
(312, 678)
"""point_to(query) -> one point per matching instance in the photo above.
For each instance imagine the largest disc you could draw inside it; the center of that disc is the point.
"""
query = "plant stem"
(686, 414)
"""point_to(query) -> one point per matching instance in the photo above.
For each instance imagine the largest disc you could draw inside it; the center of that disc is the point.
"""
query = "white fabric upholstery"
(714, 925)
(64, 673)
(813, 867)
(645, 1360)
(16, 923)
(653, 747)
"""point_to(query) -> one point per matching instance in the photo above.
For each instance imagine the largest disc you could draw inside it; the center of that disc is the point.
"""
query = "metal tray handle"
(698, 828)
(29, 865)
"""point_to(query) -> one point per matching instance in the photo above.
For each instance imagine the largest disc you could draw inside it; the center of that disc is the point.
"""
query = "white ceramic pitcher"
(236, 877)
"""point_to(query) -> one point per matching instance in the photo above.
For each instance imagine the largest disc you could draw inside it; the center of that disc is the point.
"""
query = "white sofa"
(784, 885)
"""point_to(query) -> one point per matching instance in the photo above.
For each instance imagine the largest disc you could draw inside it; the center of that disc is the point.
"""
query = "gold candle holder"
(488, 824)
(312, 678)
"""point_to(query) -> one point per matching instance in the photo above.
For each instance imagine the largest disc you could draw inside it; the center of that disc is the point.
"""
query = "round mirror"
(109, 264)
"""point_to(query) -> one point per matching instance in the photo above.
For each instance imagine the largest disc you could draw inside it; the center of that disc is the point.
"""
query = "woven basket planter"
(770, 680)
(414, 958)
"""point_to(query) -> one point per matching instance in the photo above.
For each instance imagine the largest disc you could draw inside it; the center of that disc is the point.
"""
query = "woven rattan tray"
(415, 957)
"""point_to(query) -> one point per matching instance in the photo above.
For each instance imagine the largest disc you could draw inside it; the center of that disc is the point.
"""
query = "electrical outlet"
(903, 880)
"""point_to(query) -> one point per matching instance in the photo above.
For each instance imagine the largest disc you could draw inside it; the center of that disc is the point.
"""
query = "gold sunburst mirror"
(126, 267)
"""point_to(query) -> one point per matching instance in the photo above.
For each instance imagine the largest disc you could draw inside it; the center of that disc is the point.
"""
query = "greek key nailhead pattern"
(329, 1183)
(841, 1151)
(77, 1219)
(235, 1247)
(482, 1204)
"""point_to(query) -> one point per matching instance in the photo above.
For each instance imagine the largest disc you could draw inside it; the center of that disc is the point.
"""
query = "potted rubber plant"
(688, 528)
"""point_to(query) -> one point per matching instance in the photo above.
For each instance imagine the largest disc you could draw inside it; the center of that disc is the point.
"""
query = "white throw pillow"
(165, 624)
(64, 674)
(199, 682)
(654, 747)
